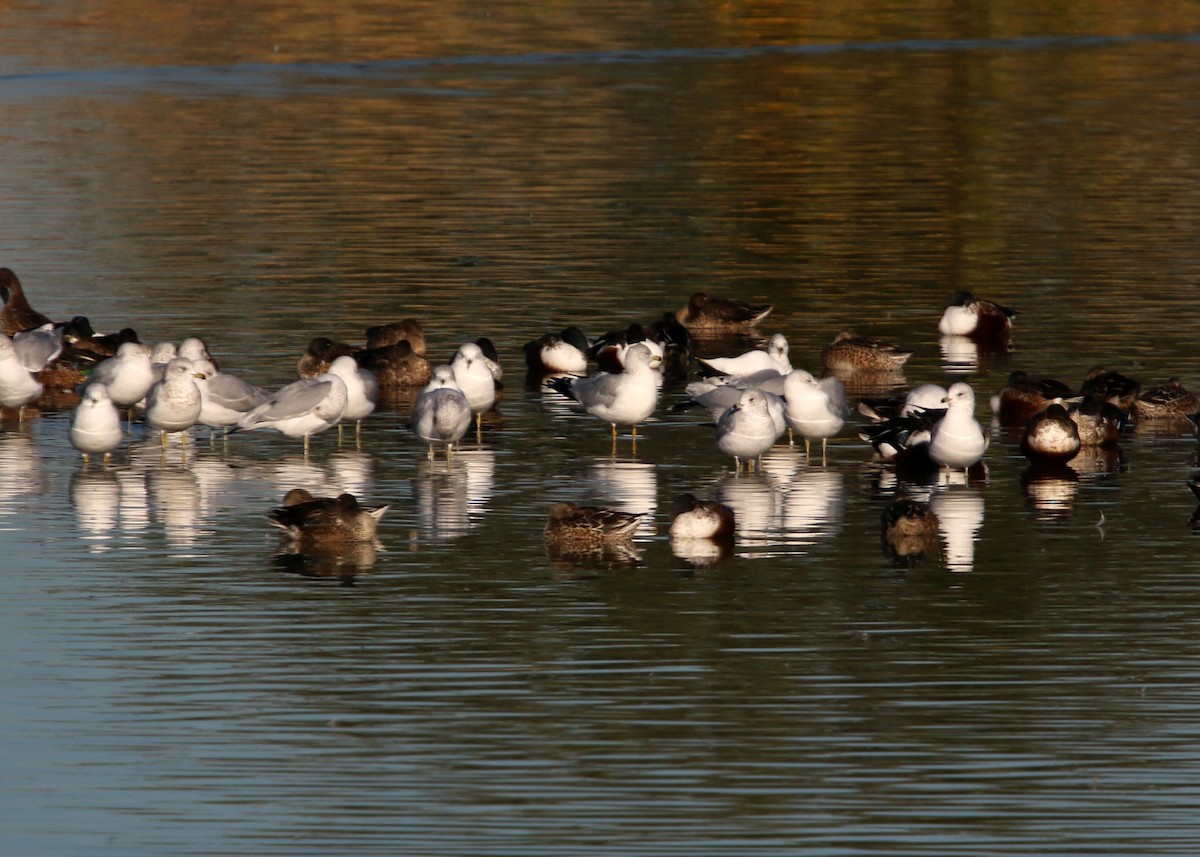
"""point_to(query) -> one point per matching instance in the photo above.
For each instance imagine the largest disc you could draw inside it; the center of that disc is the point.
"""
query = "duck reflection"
(569, 561)
(341, 562)
(451, 497)
(628, 486)
(960, 516)
(1051, 491)
(96, 497)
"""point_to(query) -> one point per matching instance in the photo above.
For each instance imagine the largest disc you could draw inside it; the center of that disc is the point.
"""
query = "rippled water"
(264, 174)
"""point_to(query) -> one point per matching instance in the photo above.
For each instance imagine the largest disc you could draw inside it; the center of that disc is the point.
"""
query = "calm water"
(266, 173)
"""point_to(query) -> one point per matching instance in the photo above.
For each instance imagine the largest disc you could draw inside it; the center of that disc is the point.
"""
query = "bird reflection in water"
(340, 562)
(20, 474)
(959, 509)
(1051, 491)
(96, 498)
(628, 486)
(451, 497)
(909, 529)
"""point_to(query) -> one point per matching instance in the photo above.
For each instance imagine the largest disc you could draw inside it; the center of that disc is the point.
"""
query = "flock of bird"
(754, 398)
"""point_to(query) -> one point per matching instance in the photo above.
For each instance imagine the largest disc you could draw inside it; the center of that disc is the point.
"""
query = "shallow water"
(261, 176)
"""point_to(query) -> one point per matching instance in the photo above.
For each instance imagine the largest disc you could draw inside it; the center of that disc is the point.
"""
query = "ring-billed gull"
(717, 398)
(18, 386)
(700, 519)
(982, 321)
(1051, 437)
(362, 391)
(558, 353)
(957, 440)
(475, 379)
(815, 409)
(224, 398)
(173, 404)
(96, 424)
(305, 519)
(39, 346)
(441, 414)
(625, 398)
(301, 409)
(17, 315)
(128, 376)
(747, 430)
(718, 315)
(193, 348)
(774, 358)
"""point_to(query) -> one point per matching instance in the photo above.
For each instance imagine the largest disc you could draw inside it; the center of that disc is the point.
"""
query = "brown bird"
(305, 519)
(717, 315)
(17, 315)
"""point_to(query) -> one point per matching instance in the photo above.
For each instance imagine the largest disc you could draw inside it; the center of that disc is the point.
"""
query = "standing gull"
(173, 404)
(18, 387)
(441, 414)
(624, 398)
(747, 430)
(362, 391)
(96, 424)
(128, 376)
(474, 377)
(815, 409)
(224, 398)
(301, 409)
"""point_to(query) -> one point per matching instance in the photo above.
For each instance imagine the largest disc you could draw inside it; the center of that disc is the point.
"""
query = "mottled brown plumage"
(305, 519)
(850, 352)
(703, 314)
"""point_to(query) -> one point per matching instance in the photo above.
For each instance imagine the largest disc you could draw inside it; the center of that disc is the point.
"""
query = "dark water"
(258, 175)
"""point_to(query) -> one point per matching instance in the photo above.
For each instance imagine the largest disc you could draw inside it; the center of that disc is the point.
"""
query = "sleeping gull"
(18, 386)
(775, 357)
(747, 430)
(815, 409)
(441, 414)
(362, 391)
(173, 404)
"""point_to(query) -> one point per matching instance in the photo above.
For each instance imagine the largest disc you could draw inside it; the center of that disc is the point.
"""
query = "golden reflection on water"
(510, 197)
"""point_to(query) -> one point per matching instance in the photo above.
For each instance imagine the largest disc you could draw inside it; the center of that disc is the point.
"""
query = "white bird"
(958, 441)
(362, 391)
(475, 379)
(775, 357)
(96, 424)
(301, 409)
(160, 355)
(128, 376)
(39, 346)
(193, 348)
(718, 398)
(18, 386)
(815, 409)
(224, 398)
(746, 430)
(622, 398)
(173, 404)
(441, 413)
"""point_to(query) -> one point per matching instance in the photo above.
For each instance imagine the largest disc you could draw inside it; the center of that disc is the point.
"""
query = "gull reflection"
(175, 499)
(351, 472)
(451, 497)
(628, 486)
(134, 506)
(20, 475)
(960, 516)
(96, 497)
(812, 505)
(755, 500)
